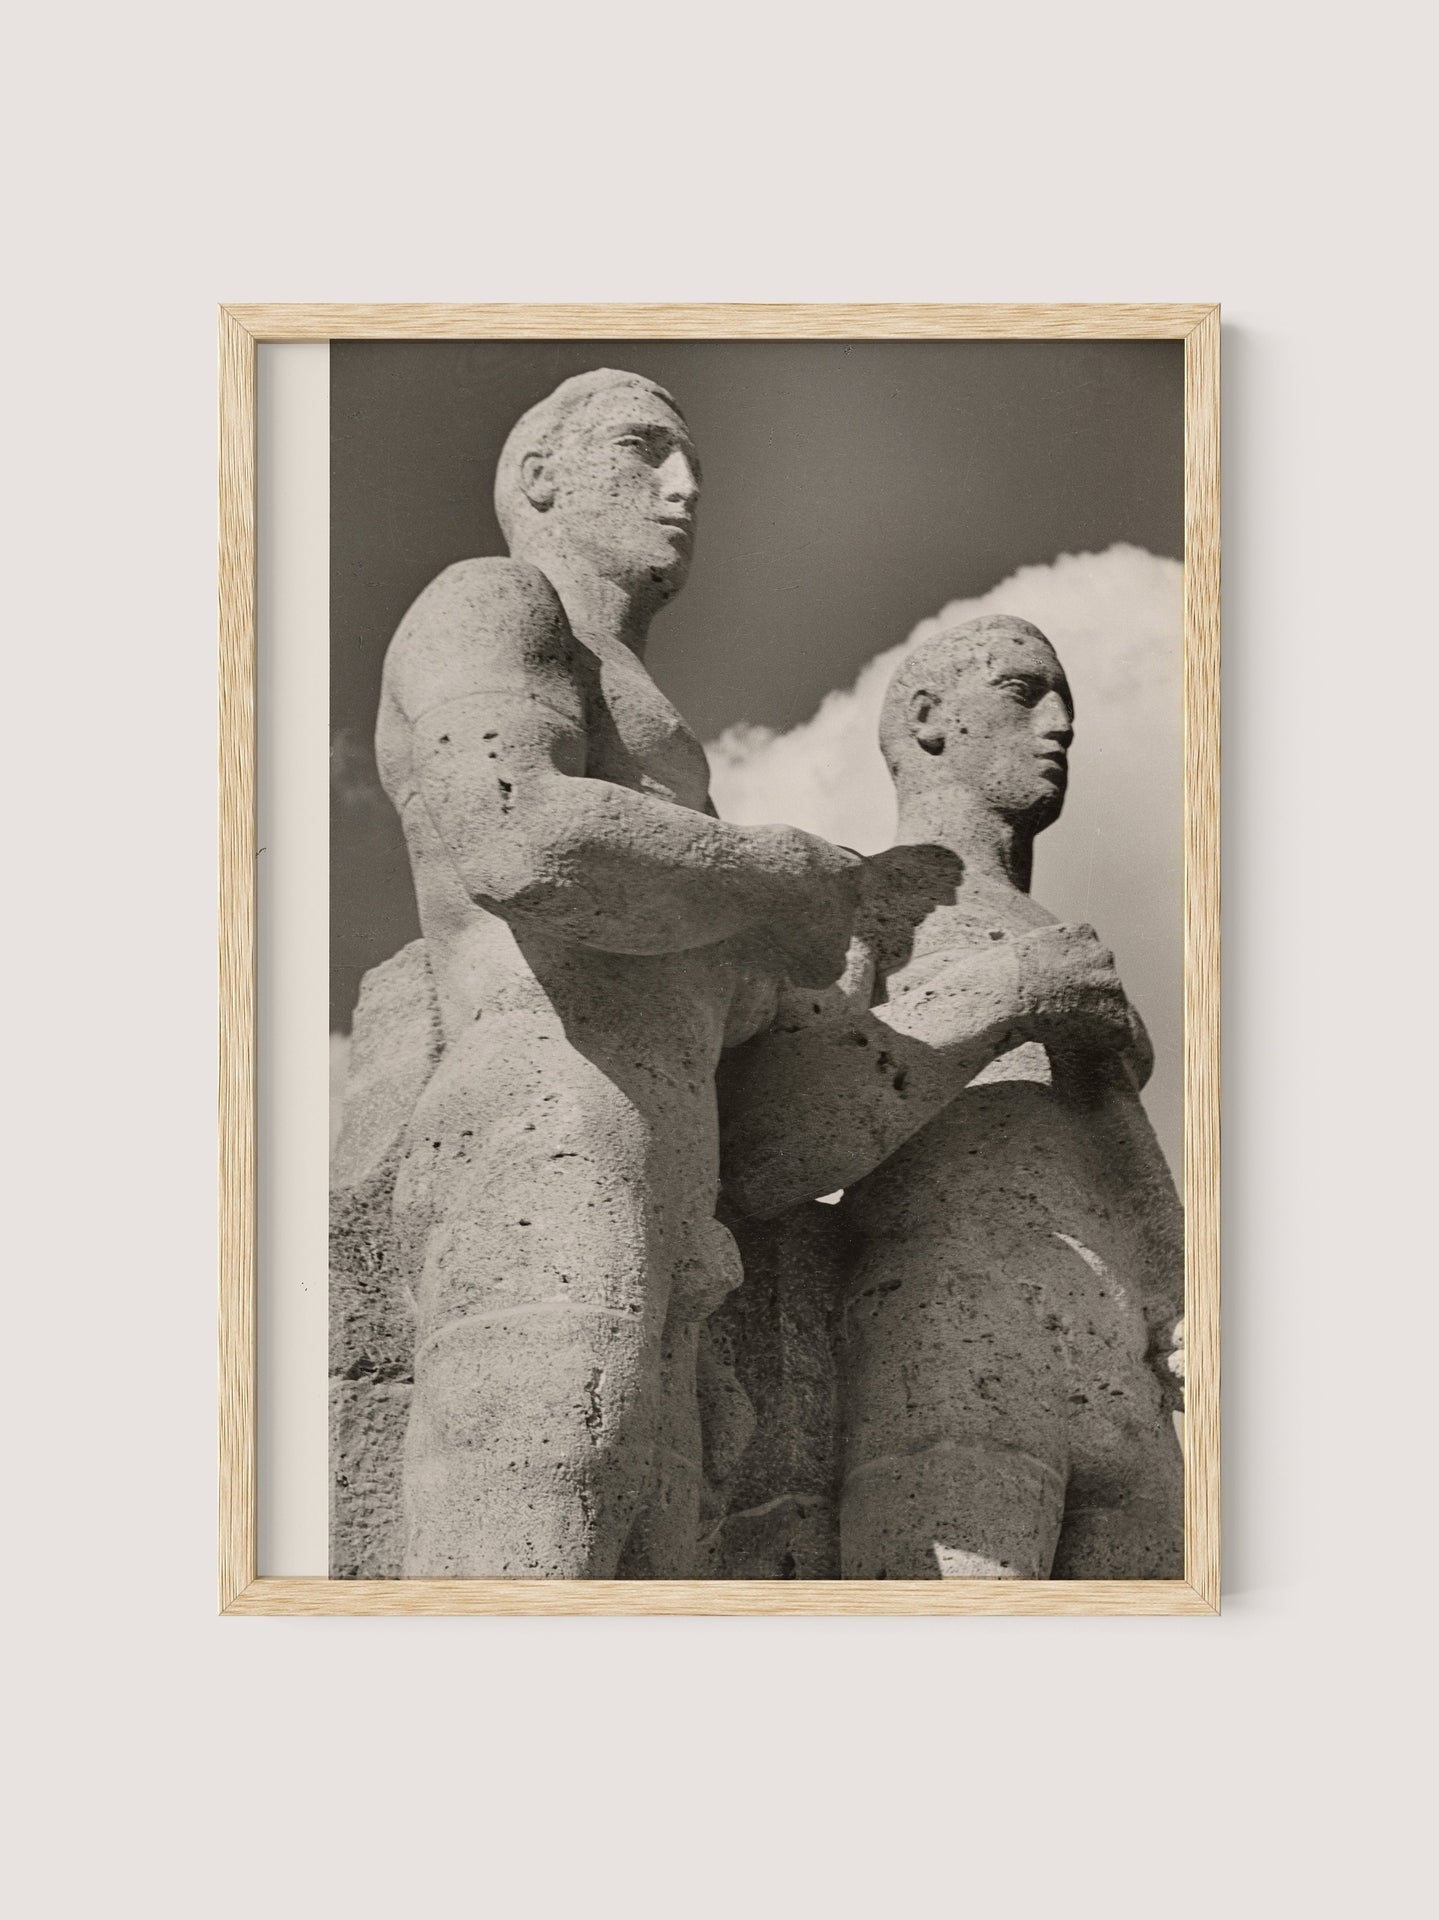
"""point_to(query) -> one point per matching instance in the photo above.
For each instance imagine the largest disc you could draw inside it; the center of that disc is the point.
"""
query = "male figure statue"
(1014, 1243)
(595, 935)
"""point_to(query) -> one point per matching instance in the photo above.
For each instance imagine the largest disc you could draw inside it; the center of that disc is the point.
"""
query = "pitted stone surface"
(543, 1361)
(1013, 1241)
(776, 1499)
(395, 1045)
(595, 936)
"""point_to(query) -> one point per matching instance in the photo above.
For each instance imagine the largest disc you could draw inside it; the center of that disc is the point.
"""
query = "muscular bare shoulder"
(482, 626)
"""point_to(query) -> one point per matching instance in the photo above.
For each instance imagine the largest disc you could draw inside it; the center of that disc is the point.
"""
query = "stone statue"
(395, 1046)
(1013, 1243)
(770, 1476)
(594, 936)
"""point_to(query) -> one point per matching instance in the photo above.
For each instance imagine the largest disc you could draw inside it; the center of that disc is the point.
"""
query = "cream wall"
(178, 1764)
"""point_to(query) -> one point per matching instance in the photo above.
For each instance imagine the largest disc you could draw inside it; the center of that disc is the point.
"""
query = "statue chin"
(1043, 811)
(664, 575)
(654, 568)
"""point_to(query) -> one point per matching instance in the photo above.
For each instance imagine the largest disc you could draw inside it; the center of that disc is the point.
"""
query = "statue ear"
(926, 721)
(537, 482)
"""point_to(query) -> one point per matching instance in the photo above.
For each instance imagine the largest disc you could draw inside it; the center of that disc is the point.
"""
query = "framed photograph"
(770, 1091)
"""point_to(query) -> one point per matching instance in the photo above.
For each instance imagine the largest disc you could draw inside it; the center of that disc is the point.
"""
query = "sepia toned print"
(562, 1347)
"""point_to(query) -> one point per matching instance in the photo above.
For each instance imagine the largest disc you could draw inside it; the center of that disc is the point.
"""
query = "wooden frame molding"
(242, 328)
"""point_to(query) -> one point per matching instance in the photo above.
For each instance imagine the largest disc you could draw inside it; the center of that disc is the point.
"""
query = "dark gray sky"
(850, 489)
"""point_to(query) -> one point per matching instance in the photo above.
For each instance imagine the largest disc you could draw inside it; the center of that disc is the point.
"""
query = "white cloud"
(1114, 618)
(1115, 857)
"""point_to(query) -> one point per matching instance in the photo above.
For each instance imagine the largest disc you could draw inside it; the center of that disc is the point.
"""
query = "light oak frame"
(242, 328)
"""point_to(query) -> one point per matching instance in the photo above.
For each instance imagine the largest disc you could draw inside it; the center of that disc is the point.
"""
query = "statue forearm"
(628, 873)
(807, 1110)
(620, 871)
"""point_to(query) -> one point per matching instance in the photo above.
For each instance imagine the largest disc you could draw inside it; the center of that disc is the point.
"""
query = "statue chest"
(638, 740)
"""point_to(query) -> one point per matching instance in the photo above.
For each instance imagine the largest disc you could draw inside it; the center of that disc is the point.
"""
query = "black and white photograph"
(756, 954)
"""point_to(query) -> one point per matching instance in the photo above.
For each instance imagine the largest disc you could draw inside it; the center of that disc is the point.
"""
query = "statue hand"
(1070, 991)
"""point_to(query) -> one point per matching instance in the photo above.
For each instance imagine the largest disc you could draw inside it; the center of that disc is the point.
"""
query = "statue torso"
(692, 1002)
(1025, 1147)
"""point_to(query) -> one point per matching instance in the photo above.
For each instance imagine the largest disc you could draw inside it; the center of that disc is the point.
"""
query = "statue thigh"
(1124, 1509)
(664, 1544)
(956, 1457)
(532, 1192)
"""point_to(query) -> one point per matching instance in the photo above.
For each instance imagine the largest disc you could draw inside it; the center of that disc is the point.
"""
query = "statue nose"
(679, 479)
(1055, 721)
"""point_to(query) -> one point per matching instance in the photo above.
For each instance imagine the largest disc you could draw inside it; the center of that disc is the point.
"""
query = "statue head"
(986, 707)
(603, 470)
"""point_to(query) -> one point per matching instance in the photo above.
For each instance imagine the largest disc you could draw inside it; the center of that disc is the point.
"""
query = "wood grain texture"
(237, 959)
(870, 1597)
(1201, 956)
(760, 322)
(240, 1591)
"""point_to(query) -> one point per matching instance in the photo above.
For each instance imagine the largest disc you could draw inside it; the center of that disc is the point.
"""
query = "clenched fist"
(1071, 992)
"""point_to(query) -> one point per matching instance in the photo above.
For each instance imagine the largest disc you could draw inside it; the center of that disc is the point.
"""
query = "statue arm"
(836, 1085)
(486, 672)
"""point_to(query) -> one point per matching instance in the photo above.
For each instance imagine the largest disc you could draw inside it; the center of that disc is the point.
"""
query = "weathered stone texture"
(775, 1500)
(394, 1048)
(1012, 1243)
(544, 1363)
(594, 941)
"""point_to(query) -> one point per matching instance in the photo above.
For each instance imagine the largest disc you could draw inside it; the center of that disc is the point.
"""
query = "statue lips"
(1056, 764)
(679, 523)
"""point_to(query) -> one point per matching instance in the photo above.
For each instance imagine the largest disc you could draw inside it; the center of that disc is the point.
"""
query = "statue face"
(626, 481)
(1001, 724)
